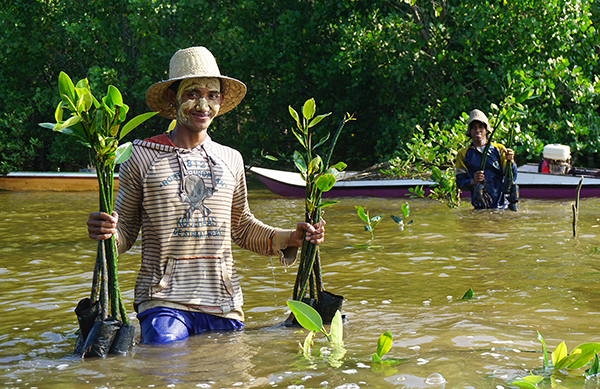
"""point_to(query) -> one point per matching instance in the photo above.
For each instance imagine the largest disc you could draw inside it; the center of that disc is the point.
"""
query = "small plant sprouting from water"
(310, 319)
(402, 220)
(384, 344)
(468, 295)
(371, 223)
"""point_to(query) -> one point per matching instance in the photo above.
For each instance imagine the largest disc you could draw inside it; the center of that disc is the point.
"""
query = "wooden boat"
(531, 184)
(51, 182)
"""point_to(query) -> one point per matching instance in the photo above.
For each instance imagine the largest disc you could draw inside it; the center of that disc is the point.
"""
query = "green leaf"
(325, 182)
(66, 89)
(559, 353)
(300, 138)
(308, 341)
(323, 140)
(567, 360)
(405, 210)
(294, 115)
(397, 219)
(376, 358)
(68, 123)
(384, 343)
(327, 203)
(308, 111)
(113, 98)
(594, 369)
(533, 379)
(58, 114)
(306, 316)
(375, 220)
(47, 125)
(123, 153)
(361, 213)
(544, 348)
(314, 166)
(588, 351)
(339, 166)
(317, 119)
(136, 121)
(468, 294)
(337, 330)
(299, 162)
(523, 385)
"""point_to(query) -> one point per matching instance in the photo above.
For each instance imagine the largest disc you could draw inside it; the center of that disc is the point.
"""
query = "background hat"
(190, 63)
(477, 115)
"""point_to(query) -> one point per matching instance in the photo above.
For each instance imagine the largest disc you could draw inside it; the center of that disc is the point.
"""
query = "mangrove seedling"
(371, 222)
(579, 357)
(384, 344)
(528, 382)
(320, 177)
(402, 220)
(310, 319)
(97, 125)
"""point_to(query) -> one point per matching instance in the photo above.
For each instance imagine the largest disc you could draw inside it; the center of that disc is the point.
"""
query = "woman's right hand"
(101, 225)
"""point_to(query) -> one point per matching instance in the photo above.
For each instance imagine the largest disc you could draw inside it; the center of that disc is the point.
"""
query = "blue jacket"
(467, 163)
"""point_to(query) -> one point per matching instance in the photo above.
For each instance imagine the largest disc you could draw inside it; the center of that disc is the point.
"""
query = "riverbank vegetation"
(400, 66)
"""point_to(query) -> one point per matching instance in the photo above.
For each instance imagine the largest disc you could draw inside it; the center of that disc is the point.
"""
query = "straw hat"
(189, 63)
(477, 115)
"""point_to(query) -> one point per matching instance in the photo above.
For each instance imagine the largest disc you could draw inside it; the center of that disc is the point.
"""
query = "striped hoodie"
(190, 204)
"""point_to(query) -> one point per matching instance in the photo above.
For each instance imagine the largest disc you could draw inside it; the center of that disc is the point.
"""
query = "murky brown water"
(526, 270)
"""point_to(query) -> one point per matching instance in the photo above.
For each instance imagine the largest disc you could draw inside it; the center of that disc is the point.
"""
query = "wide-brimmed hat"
(190, 63)
(477, 115)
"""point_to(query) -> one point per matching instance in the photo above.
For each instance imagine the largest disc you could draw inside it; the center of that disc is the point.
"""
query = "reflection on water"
(527, 272)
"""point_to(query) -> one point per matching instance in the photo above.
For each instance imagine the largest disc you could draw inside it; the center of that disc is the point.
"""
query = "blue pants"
(161, 325)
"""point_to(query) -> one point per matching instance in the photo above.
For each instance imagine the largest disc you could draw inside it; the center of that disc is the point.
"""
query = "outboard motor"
(557, 159)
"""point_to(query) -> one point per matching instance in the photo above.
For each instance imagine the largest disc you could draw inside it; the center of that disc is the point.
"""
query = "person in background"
(188, 195)
(490, 181)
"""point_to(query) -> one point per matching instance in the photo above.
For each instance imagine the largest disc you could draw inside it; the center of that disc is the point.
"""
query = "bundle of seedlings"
(319, 177)
(97, 125)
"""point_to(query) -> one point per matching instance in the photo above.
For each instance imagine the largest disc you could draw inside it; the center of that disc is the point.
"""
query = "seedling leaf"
(306, 316)
(468, 294)
(384, 343)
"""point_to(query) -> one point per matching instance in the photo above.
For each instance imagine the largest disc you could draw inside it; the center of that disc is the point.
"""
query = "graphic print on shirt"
(195, 194)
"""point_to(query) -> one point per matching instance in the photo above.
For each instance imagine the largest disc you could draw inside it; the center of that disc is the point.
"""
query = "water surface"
(527, 272)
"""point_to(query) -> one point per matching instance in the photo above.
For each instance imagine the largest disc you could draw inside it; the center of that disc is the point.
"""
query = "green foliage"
(402, 220)
(319, 177)
(97, 125)
(310, 319)
(371, 223)
(409, 63)
(468, 295)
